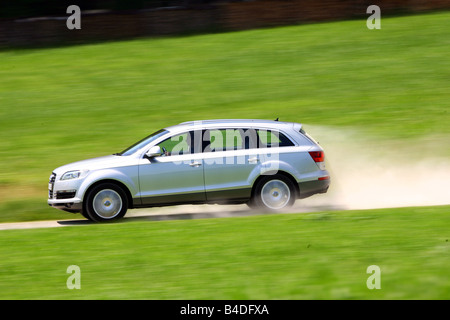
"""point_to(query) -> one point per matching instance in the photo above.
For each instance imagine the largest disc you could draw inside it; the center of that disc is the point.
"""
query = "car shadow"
(163, 217)
(190, 215)
(198, 215)
(75, 222)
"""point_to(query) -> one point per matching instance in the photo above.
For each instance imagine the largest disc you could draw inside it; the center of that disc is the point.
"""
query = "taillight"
(318, 156)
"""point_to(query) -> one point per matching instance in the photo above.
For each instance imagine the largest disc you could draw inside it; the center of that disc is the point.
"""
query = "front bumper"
(63, 194)
(70, 205)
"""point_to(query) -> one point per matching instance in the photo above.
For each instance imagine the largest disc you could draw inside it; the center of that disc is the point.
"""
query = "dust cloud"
(368, 173)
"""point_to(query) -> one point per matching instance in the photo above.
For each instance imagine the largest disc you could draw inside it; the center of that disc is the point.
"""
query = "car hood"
(93, 164)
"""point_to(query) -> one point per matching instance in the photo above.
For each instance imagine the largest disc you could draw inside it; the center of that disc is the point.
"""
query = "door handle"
(253, 160)
(195, 164)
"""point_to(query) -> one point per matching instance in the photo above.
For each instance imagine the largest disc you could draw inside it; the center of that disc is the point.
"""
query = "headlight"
(71, 175)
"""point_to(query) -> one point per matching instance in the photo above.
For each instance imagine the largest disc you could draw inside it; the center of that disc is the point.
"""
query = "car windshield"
(142, 143)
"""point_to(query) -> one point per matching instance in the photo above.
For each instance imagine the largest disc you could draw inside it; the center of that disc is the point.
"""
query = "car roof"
(229, 123)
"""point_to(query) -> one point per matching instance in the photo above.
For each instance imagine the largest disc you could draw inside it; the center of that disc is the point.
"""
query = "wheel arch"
(279, 173)
(116, 182)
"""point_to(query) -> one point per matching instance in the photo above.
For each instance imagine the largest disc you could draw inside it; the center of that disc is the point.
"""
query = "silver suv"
(266, 164)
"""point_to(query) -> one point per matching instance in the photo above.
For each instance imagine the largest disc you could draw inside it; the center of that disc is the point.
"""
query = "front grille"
(51, 184)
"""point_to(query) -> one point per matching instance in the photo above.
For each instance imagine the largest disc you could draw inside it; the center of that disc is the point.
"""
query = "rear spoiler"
(297, 126)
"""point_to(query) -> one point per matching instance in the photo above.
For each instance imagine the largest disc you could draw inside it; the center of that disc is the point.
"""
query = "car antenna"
(276, 119)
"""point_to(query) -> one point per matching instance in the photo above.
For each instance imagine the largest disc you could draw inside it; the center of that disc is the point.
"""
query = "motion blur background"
(39, 22)
(376, 100)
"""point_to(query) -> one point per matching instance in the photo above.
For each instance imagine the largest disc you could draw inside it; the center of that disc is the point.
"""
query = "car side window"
(176, 145)
(272, 138)
(215, 140)
(183, 143)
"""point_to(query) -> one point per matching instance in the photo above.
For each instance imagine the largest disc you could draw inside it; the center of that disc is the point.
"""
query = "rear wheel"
(273, 193)
(106, 202)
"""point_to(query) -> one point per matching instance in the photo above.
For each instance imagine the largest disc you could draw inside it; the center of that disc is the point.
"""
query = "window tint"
(177, 145)
(183, 143)
(229, 139)
(271, 138)
(215, 140)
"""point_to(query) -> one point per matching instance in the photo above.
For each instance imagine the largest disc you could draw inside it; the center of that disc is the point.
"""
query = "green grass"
(60, 105)
(285, 256)
(31, 209)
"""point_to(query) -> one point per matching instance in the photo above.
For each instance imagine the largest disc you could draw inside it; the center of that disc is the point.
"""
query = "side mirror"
(154, 151)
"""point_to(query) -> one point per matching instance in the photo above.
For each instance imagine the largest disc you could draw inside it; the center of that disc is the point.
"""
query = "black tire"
(84, 214)
(106, 202)
(273, 193)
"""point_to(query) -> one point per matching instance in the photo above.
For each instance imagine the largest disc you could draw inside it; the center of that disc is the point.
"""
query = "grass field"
(61, 105)
(285, 256)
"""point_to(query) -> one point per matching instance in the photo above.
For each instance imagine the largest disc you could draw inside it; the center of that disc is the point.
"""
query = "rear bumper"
(309, 188)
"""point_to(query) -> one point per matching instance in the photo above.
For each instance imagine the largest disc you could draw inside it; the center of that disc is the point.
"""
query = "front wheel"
(274, 193)
(106, 202)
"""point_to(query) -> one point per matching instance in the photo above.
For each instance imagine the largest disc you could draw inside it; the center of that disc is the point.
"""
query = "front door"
(174, 177)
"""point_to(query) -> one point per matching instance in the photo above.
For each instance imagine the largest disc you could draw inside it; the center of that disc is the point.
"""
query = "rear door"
(229, 156)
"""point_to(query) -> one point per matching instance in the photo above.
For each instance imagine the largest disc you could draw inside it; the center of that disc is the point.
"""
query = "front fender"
(126, 175)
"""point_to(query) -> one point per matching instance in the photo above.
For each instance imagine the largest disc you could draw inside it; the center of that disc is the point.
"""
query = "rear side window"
(271, 138)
